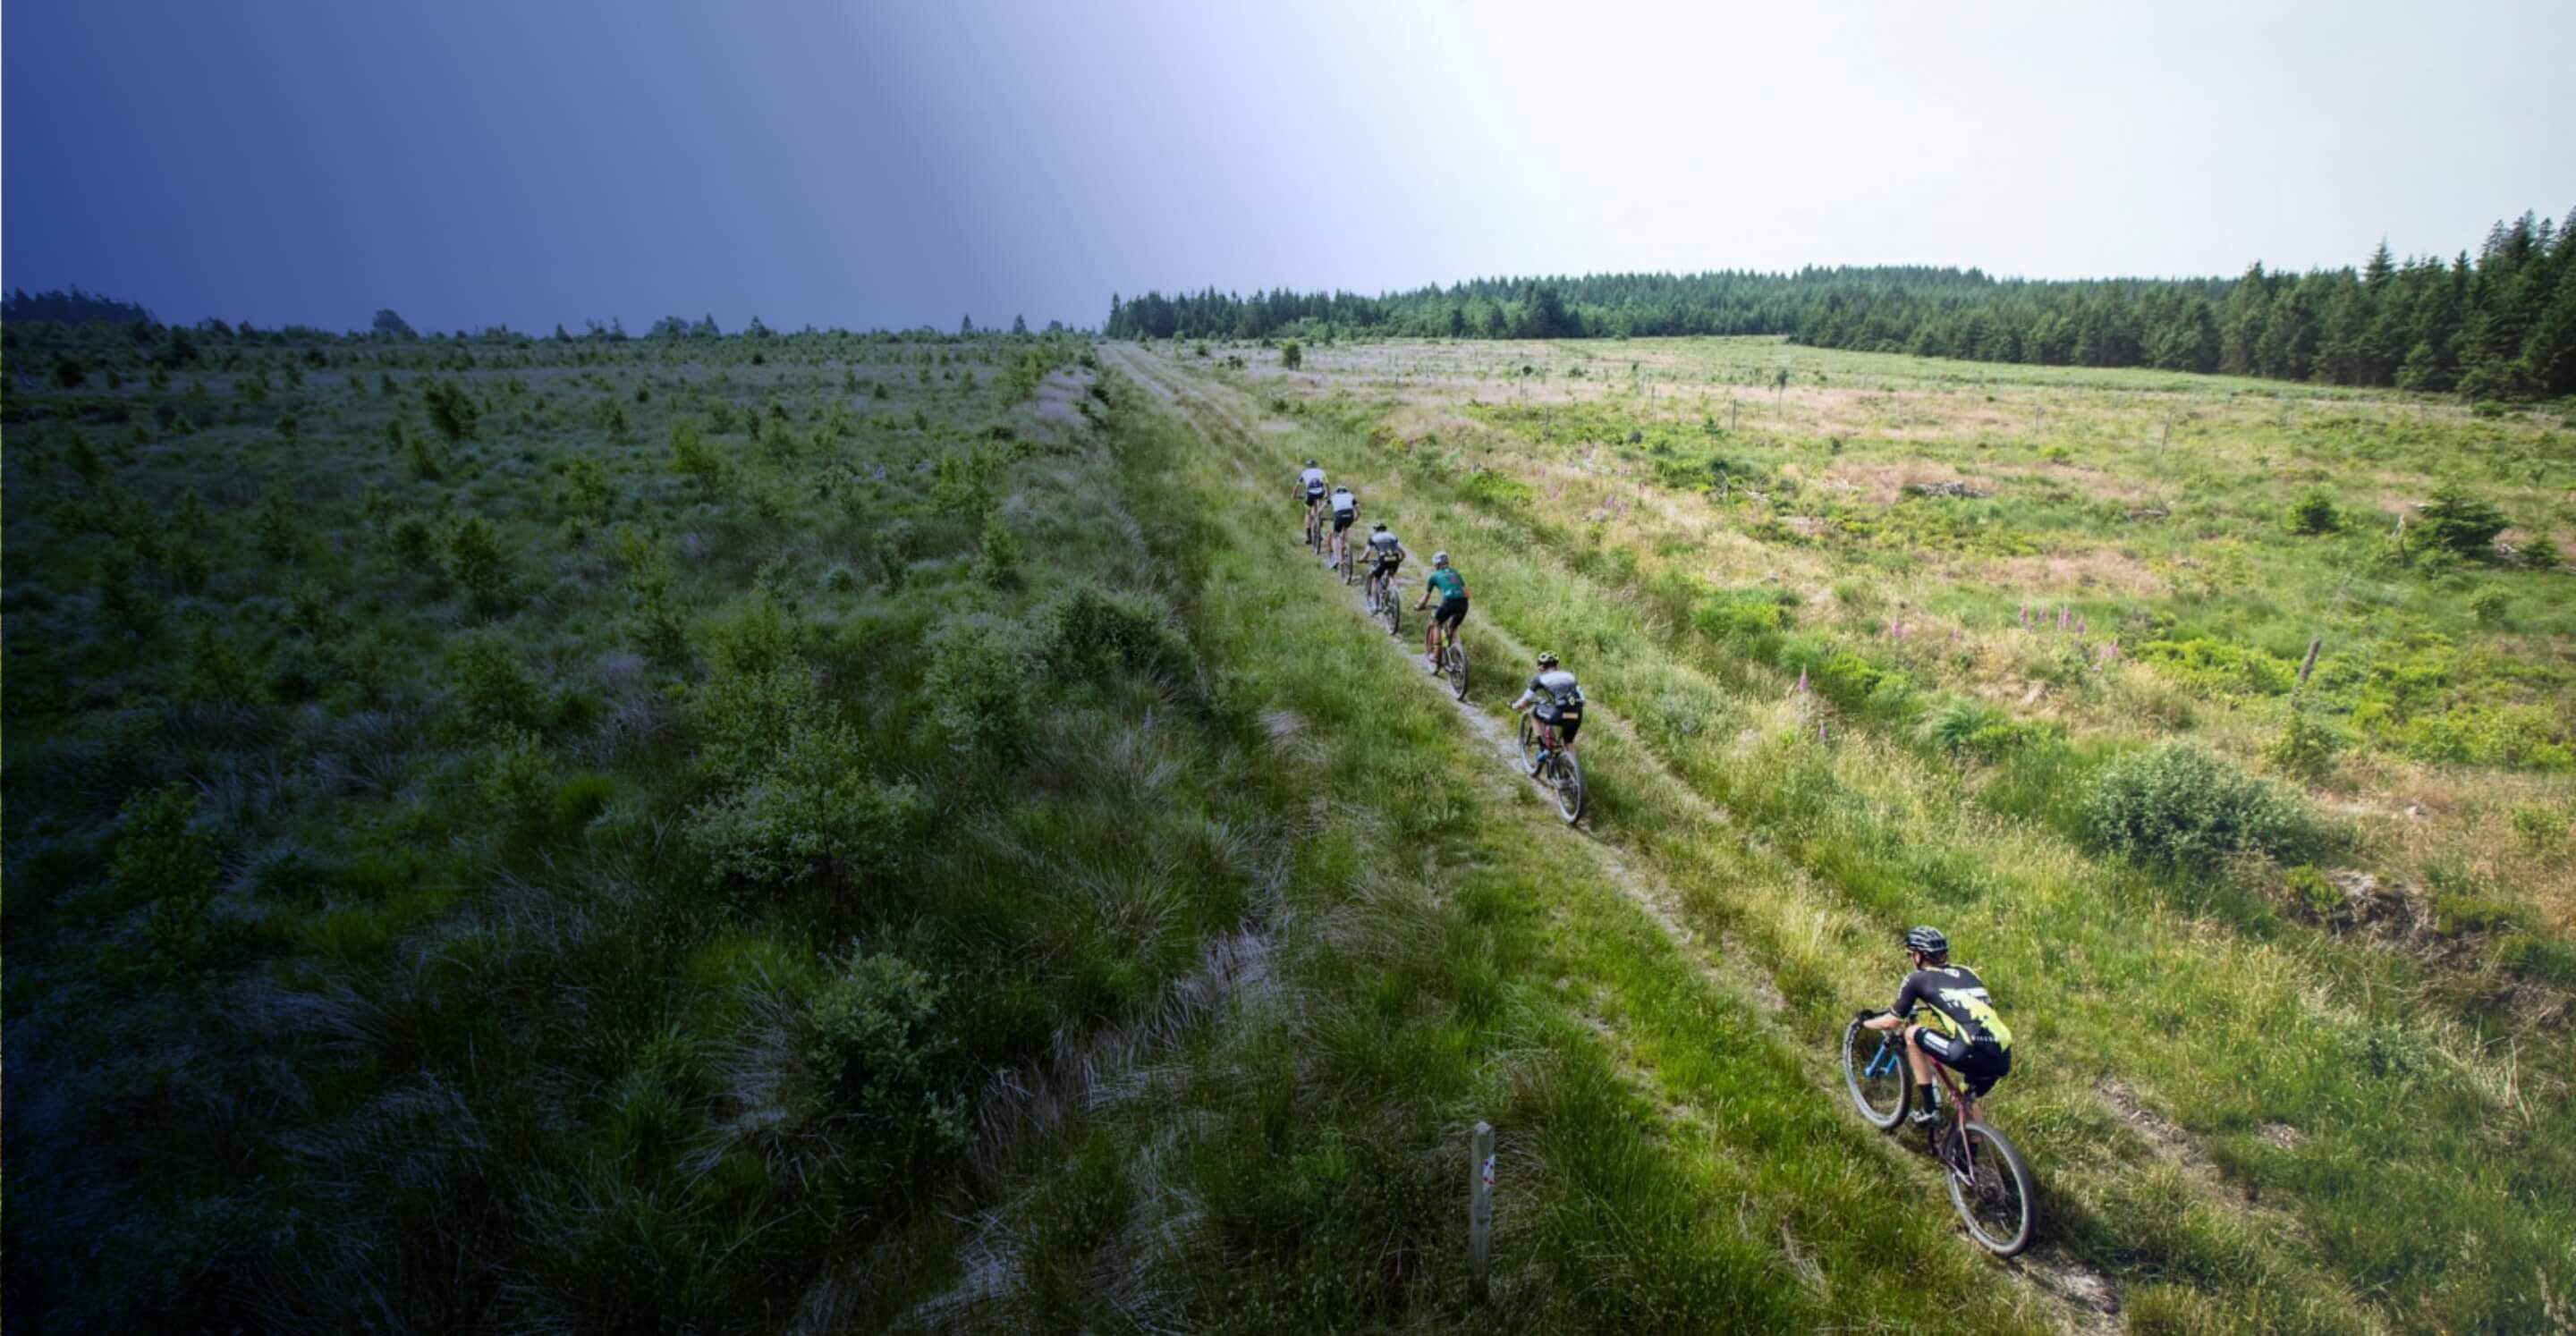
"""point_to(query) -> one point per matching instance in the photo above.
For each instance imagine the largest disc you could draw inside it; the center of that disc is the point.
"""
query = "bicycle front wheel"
(1565, 775)
(1874, 1072)
(1529, 743)
(1994, 1192)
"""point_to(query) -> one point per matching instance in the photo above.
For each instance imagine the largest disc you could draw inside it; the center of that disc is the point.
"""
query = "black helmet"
(1929, 941)
(1545, 661)
(1379, 527)
(1310, 463)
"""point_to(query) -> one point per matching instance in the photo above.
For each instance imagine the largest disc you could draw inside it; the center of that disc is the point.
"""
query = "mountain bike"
(1384, 603)
(1552, 764)
(1989, 1184)
(1453, 659)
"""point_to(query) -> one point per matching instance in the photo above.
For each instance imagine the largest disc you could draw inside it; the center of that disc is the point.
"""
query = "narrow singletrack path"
(2082, 1297)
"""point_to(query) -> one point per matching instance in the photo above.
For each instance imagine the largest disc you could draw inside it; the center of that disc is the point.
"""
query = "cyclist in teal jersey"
(1452, 589)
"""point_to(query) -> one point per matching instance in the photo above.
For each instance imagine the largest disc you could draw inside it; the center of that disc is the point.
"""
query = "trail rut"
(2084, 1299)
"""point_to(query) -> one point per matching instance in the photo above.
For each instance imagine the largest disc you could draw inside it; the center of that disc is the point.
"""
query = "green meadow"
(811, 831)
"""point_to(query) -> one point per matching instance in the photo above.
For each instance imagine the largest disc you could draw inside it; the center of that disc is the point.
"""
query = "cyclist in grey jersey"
(1558, 701)
(1385, 551)
(1310, 485)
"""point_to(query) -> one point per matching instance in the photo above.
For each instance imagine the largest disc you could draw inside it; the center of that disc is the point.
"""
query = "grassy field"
(2288, 1023)
(807, 832)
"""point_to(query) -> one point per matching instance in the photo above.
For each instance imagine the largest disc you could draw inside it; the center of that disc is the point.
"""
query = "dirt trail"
(2085, 1298)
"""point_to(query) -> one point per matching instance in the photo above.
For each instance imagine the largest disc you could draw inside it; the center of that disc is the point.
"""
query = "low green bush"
(812, 808)
(2456, 521)
(1087, 632)
(161, 858)
(1741, 614)
(494, 693)
(2315, 513)
(2180, 806)
(978, 684)
(2307, 746)
(881, 1064)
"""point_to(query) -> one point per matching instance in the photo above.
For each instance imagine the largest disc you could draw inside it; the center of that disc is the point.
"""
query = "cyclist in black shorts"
(1385, 553)
(1452, 589)
(1346, 512)
(1309, 485)
(1960, 1028)
(1558, 701)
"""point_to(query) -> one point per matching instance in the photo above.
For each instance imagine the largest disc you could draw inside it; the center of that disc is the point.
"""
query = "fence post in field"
(1480, 1208)
(2309, 664)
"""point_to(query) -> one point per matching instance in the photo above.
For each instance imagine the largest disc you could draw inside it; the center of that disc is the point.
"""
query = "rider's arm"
(1523, 703)
(1900, 1015)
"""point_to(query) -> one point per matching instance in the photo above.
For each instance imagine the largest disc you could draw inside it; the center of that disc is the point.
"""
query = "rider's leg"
(1921, 1063)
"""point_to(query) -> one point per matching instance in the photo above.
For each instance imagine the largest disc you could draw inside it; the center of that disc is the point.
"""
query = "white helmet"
(1439, 558)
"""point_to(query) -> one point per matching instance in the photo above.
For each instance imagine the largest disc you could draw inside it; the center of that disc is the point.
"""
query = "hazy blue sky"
(861, 164)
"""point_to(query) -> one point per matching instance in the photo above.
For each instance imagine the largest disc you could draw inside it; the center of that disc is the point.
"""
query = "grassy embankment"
(2248, 1117)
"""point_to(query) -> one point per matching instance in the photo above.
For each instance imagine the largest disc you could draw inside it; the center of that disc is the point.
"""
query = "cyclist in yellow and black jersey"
(1959, 1029)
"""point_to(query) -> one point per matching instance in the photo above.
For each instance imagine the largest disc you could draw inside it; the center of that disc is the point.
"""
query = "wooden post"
(2309, 664)
(1480, 1208)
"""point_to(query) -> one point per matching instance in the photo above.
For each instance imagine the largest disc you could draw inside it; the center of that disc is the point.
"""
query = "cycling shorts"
(1983, 1063)
(1452, 611)
(1314, 496)
(1385, 566)
(1343, 519)
(1566, 722)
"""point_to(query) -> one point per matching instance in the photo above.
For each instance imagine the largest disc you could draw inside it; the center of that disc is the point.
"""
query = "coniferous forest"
(2497, 323)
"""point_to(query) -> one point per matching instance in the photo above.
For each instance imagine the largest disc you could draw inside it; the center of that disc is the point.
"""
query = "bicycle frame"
(1891, 1058)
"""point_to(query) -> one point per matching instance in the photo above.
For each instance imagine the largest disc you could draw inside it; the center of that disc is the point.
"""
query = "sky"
(471, 163)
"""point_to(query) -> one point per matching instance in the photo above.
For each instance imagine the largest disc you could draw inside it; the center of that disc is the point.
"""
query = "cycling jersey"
(1958, 1005)
(1554, 694)
(1314, 480)
(1448, 584)
(1385, 548)
(1344, 503)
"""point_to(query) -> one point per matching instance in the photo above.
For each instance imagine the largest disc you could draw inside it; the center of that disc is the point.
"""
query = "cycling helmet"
(1311, 464)
(1545, 661)
(1439, 558)
(1379, 527)
(1929, 941)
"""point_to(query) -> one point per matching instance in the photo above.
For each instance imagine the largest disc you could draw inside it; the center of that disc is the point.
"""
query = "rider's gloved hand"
(1868, 1014)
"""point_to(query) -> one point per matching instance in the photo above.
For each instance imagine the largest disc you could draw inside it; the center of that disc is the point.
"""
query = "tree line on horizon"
(2497, 323)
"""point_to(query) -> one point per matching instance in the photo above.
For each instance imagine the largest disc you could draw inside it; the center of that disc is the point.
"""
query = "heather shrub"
(2180, 806)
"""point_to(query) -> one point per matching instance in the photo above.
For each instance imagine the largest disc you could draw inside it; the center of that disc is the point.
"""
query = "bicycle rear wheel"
(1455, 664)
(1994, 1196)
(1565, 776)
(1874, 1072)
(1391, 608)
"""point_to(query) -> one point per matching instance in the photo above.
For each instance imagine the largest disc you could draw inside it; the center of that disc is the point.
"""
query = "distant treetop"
(72, 308)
